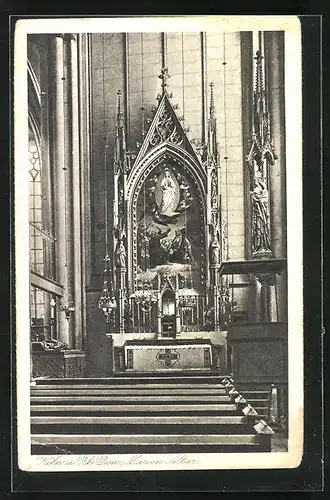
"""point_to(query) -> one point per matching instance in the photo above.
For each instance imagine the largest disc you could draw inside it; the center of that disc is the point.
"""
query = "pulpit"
(163, 354)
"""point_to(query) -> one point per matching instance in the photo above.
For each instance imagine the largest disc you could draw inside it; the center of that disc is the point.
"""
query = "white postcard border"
(293, 117)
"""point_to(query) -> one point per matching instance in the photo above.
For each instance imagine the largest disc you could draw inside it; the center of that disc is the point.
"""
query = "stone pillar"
(254, 312)
(59, 177)
(76, 201)
(106, 367)
(264, 296)
(216, 308)
(273, 312)
(268, 307)
(159, 314)
(121, 299)
(274, 60)
(177, 314)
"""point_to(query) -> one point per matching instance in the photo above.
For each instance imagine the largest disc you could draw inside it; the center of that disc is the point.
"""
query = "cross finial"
(259, 76)
(119, 110)
(212, 106)
(164, 76)
(120, 114)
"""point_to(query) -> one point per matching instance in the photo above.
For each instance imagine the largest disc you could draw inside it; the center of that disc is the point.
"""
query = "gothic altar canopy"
(165, 227)
(162, 272)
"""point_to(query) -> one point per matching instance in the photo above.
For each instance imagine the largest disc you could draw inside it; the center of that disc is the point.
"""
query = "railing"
(278, 406)
(141, 319)
(260, 426)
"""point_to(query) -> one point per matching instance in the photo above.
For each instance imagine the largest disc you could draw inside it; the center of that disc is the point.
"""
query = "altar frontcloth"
(164, 355)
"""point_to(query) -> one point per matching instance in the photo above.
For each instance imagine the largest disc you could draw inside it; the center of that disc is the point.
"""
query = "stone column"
(69, 189)
(216, 307)
(264, 296)
(76, 201)
(59, 178)
(177, 314)
(274, 60)
(159, 314)
(273, 297)
(255, 300)
(268, 309)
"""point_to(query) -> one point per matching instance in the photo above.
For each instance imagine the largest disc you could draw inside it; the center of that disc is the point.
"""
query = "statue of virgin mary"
(168, 195)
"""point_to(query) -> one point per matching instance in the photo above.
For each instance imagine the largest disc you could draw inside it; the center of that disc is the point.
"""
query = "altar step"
(150, 414)
(122, 378)
(258, 396)
(145, 443)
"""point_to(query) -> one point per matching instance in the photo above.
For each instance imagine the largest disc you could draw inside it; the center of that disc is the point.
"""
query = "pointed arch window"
(42, 243)
(42, 240)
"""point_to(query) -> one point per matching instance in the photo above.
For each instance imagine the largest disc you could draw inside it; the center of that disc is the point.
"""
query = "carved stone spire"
(261, 134)
(212, 106)
(212, 147)
(164, 76)
(259, 72)
(260, 158)
(120, 161)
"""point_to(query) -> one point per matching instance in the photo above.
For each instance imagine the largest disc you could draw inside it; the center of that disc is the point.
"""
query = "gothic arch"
(138, 176)
(177, 152)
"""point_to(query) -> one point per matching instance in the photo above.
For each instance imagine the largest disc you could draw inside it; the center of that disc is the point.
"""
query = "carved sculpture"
(260, 216)
(121, 255)
(168, 195)
(214, 189)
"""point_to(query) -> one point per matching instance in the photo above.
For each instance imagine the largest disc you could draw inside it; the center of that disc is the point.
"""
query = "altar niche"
(168, 323)
(169, 226)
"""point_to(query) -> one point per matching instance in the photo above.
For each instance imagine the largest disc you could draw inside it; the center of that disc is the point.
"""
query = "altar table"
(162, 355)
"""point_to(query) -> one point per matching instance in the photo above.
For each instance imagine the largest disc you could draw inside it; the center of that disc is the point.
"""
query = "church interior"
(158, 272)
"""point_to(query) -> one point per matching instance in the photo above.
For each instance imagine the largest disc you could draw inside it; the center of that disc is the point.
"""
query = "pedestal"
(60, 364)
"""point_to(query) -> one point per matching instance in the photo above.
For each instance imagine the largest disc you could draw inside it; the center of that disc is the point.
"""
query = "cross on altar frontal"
(168, 356)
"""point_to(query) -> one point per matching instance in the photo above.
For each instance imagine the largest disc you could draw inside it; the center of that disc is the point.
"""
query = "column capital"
(267, 279)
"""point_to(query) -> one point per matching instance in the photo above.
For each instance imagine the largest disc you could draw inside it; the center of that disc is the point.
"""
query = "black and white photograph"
(158, 243)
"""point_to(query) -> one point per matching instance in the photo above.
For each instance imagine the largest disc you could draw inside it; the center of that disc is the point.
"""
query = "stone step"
(255, 396)
(94, 452)
(147, 420)
(133, 391)
(159, 412)
(142, 377)
(104, 427)
(258, 401)
(175, 399)
(148, 443)
(120, 387)
(145, 439)
(133, 408)
(261, 410)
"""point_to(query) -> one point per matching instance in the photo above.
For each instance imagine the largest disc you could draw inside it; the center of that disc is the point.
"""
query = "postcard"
(158, 236)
